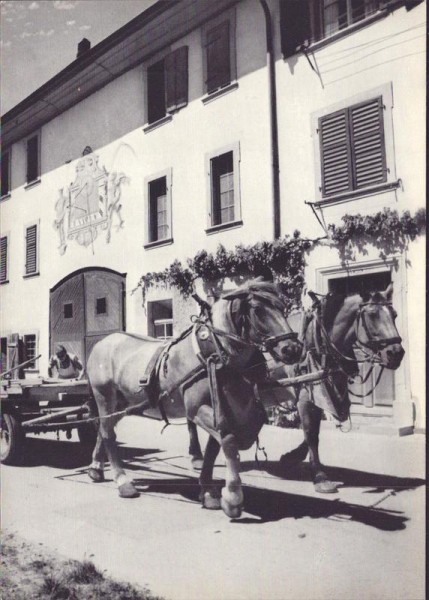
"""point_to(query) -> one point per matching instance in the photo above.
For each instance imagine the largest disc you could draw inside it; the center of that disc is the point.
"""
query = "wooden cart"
(41, 405)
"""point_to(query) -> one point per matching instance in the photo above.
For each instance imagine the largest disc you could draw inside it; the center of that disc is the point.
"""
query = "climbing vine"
(285, 258)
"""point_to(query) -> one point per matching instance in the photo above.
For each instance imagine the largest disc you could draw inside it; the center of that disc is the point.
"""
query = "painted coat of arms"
(89, 204)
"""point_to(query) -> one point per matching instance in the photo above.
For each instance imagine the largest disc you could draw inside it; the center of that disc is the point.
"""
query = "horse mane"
(263, 292)
(331, 306)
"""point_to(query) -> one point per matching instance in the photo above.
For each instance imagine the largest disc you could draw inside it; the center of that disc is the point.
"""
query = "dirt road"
(289, 543)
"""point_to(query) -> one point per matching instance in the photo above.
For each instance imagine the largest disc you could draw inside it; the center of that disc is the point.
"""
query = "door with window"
(384, 393)
(84, 308)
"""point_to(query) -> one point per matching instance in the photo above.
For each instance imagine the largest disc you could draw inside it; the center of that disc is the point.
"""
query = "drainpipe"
(273, 118)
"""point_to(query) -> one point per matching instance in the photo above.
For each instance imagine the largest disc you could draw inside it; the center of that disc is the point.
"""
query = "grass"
(31, 572)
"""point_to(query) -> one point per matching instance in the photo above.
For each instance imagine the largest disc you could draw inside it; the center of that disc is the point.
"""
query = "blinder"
(375, 345)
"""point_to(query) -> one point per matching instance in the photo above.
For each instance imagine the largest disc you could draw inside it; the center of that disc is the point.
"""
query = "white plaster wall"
(111, 121)
(390, 51)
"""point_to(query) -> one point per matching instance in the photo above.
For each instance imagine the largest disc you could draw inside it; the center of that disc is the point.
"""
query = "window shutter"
(32, 159)
(218, 57)
(176, 73)
(367, 135)
(5, 173)
(295, 26)
(335, 154)
(31, 250)
(3, 259)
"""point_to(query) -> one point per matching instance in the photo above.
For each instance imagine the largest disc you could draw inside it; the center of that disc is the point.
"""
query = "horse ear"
(388, 293)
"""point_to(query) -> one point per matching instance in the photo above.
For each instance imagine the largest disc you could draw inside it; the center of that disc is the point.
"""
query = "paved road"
(291, 543)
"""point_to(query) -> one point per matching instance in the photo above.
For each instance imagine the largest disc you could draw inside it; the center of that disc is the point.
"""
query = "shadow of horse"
(266, 506)
(62, 454)
(349, 478)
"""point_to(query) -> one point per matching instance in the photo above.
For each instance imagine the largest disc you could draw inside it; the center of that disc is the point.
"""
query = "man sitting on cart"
(67, 366)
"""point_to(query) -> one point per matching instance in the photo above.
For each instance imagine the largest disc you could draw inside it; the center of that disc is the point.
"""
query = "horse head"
(257, 313)
(376, 329)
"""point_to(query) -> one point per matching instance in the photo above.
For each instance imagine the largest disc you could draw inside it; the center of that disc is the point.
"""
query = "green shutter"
(31, 250)
(176, 75)
(218, 57)
(335, 154)
(3, 259)
(32, 159)
(367, 139)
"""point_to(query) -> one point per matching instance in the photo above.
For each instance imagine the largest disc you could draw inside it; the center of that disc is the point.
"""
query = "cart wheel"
(87, 434)
(12, 440)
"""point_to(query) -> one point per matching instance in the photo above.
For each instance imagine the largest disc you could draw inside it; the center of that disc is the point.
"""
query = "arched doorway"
(85, 307)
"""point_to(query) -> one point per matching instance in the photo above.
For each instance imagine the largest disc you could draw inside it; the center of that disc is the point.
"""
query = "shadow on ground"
(348, 477)
(61, 454)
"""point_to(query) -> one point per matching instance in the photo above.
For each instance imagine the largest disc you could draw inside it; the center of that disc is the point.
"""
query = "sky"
(39, 38)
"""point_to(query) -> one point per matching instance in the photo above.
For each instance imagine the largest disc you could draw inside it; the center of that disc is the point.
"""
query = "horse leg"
(96, 468)
(311, 417)
(210, 493)
(232, 494)
(107, 406)
(194, 447)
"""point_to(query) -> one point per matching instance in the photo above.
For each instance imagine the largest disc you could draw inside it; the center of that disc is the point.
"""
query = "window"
(101, 306)
(68, 310)
(352, 148)
(224, 188)
(307, 21)
(167, 84)
(31, 250)
(159, 226)
(219, 52)
(160, 319)
(4, 259)
(33, 158)
(3, 364)
(5, 172)
(30, 350)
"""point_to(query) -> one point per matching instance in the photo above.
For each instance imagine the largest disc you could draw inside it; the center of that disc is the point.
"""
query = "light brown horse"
(330, 332)
(206, 374)
(334, 328)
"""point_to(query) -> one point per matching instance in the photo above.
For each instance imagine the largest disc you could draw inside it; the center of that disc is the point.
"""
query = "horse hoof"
(197, 463)
(96, 475)
(127, 490)
(232, 511)
(326, 487)
(210, 502)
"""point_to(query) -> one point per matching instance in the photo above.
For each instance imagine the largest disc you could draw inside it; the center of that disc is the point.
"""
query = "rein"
(373, 345)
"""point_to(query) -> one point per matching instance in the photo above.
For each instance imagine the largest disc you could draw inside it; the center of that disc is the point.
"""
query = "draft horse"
(207, 374)
(331, 331)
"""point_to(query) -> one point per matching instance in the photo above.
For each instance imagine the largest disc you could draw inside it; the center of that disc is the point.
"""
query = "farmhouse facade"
(205, 123)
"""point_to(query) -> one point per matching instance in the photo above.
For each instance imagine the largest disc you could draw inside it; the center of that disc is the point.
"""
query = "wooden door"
(84, 308)
(67, 316)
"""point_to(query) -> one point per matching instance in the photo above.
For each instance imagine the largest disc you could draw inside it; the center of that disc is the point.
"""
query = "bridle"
(375, 345)
(370, 347)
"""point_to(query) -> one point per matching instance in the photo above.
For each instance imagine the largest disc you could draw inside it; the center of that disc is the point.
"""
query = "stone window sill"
(220, 92)
(159, 123)
(30, 275)
(158, 243)
(32, 184)
(357, 194)
(223, 227)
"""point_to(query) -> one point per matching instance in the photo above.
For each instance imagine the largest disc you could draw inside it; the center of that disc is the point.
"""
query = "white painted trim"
(236, 157)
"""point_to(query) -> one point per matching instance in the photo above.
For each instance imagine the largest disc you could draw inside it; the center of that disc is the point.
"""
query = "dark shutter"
(176, 75)
(295, 25)
(32, 159)
(335, 153)
(218, 57)
(5, 173)
(367, 140)
(3, 259)
(156, 91)
(31, 250)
